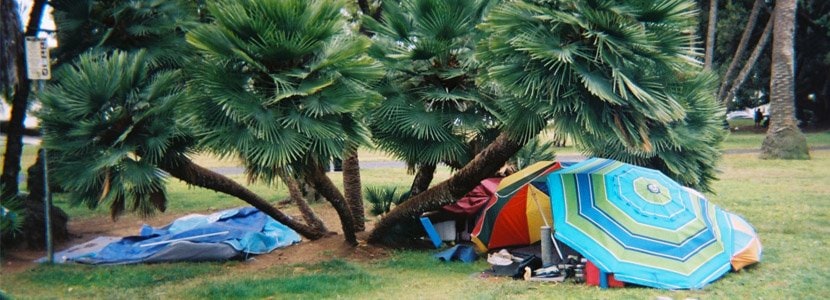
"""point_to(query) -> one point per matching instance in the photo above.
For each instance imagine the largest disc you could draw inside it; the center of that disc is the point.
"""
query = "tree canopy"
(621, 77)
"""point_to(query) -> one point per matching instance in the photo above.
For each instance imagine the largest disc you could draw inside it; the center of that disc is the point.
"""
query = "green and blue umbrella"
(640, 225)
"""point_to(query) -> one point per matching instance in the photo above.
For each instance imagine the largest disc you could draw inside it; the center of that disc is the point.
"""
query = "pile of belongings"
(633, 224)
(224, 235)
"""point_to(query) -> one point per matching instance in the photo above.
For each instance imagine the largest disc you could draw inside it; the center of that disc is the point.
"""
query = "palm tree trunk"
(742, 45)
(196, 175)
(326, 187)
(9, 31)
(296, 195)
(784, 140)
(486, 163)
(20, 103)
(352, 188)
(423, 177)
(750, 63)
(711, 31)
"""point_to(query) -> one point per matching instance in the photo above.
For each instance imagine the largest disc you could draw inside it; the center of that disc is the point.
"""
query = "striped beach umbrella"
(746, 245)
(746, 249)
(640, 225)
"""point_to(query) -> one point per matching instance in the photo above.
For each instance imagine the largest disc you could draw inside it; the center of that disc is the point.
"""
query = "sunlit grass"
(748, 140)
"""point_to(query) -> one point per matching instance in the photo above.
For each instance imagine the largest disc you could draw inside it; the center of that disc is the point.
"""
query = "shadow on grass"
(328, 279)
(117, 277)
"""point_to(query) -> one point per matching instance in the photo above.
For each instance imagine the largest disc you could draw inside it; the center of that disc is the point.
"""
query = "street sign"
(37, 58)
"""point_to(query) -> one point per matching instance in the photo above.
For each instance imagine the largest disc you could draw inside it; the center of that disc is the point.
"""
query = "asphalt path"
(561, 157)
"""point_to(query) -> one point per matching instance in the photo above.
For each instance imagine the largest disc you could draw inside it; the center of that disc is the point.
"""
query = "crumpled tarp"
(475, 200)
(219, 236)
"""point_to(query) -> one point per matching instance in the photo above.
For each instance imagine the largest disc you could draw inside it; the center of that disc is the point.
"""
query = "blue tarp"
(222, 235)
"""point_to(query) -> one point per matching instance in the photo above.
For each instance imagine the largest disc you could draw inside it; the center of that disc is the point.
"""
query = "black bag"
(517, 268)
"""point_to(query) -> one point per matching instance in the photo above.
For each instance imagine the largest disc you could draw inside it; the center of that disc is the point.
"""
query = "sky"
(47, 23)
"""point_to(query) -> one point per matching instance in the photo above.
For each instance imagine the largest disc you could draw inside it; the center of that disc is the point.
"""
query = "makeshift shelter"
(475, 200)
(219, 236)
(640, 225)
(515, 214)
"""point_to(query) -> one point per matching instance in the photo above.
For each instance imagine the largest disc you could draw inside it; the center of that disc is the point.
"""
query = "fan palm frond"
(279, 82)
(108, 122)
(433, 107)
(614, 75)
(107, 25)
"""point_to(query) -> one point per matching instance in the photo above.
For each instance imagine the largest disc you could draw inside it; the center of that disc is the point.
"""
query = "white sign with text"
(37, 58)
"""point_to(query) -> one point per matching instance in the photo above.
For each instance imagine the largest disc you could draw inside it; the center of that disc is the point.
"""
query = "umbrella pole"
(555, 244)
(546, 231)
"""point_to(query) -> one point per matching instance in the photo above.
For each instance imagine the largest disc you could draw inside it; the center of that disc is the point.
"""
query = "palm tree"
(607, 73)
(784, 140)
(433, 112)
(157, 29)
(278, 84)
(112, 132)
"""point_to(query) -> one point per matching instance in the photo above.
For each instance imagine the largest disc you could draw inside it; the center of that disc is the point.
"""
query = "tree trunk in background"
(196, 175)
(296, 196)
(20, 103)
(353, 189)
(10, 29)
(711, 32)
(317, 177)
(739, 52)
(750, 63)
(784, 140)
(423, 177)
(485, 164)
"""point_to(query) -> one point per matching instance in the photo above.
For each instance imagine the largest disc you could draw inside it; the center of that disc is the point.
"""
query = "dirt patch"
(334, 246)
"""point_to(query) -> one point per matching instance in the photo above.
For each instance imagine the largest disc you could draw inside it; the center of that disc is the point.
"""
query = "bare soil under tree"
(19, 260)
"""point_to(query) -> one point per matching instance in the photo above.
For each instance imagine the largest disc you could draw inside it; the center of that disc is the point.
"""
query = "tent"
(514, 215)
(219, 236)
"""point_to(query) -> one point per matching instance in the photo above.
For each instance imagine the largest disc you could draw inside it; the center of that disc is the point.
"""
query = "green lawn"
(786, 201)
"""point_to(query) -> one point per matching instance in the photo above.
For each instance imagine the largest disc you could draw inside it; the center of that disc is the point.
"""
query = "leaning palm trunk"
(326, 187)
(352, 187)
(742, 45)
(296, 195)
(196, 175)
(484, 164)
(423, 177)
(784, 140)
(750, 63)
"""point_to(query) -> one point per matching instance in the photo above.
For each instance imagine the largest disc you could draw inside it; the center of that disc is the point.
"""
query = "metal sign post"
(38, 68)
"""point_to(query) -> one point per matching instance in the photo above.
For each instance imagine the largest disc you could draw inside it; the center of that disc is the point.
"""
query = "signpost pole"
(38, 69)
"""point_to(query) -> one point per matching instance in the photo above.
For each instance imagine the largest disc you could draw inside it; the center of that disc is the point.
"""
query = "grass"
(330, 279)
(114, 282)
(786, 201)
